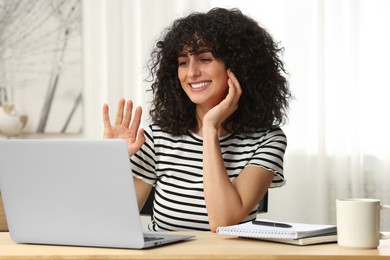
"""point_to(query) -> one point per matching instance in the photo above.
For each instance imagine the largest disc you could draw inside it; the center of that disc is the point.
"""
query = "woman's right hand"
(131, 133)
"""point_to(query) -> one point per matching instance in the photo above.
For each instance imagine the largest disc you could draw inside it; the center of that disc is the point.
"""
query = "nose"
(193, 70)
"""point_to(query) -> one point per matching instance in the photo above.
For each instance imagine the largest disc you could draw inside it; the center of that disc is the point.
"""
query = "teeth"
(200, 85)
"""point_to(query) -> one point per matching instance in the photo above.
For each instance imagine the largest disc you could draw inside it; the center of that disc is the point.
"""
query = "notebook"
(291, 233)
(304, 241)
(73, 192)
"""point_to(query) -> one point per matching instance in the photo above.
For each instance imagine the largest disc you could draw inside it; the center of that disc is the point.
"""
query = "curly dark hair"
(244, 47)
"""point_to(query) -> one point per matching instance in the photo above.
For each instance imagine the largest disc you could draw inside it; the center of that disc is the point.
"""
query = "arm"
(133, 136)
(228, 202)
(142, 190)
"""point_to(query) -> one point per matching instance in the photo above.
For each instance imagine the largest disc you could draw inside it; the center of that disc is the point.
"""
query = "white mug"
(358, 222)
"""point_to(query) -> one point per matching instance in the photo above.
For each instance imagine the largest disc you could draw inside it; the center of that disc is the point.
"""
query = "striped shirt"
(173, 165)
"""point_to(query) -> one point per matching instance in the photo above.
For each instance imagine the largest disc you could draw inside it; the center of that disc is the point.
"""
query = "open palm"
(131, 133)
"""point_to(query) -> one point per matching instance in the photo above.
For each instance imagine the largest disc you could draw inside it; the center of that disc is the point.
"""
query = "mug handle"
(384, 236)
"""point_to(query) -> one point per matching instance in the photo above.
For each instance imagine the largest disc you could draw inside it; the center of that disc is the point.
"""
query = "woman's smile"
(199, 86)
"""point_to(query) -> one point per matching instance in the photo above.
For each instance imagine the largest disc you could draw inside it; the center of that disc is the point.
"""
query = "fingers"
(140, 139)
(119, 113)
(138, 142)
(124, 115)
(235, 90)
(127, 116)
(106, 116)
(234, 83)
(137, 119)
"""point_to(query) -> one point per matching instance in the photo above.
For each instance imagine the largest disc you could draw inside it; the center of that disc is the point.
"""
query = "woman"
(215, 145)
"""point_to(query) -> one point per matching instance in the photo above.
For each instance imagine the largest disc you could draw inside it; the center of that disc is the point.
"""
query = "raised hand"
(131, 133)
(218, 114)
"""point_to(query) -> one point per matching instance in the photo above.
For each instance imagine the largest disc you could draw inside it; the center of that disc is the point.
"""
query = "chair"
(263, 207)
(148, 207)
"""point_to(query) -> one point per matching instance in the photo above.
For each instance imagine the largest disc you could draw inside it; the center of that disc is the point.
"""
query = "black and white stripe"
(174, 166)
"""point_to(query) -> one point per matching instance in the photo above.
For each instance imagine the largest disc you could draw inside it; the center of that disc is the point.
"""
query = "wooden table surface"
(205, 245)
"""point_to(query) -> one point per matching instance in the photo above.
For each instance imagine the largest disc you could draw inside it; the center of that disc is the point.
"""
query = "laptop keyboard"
(147, 239)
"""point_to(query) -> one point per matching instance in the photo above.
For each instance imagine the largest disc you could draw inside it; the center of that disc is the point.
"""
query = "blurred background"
(336, 53)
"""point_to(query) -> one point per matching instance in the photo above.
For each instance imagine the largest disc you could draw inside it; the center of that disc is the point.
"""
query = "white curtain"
(337, 55)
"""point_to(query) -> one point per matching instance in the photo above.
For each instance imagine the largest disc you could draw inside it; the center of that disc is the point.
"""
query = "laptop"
(73, 192)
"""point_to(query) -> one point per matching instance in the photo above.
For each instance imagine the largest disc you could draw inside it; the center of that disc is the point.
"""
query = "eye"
(205, 57)
(182, 63)
(205, 60)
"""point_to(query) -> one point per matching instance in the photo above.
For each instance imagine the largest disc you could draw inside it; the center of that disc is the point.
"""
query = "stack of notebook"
(290, 233)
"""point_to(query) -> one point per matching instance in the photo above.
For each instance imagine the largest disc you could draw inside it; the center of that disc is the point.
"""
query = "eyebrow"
(182, 54)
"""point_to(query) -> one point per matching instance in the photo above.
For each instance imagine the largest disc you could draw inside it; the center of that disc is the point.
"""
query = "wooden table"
(206, 245)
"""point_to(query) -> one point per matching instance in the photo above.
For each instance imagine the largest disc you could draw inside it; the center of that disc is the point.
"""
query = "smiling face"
(203, 78)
